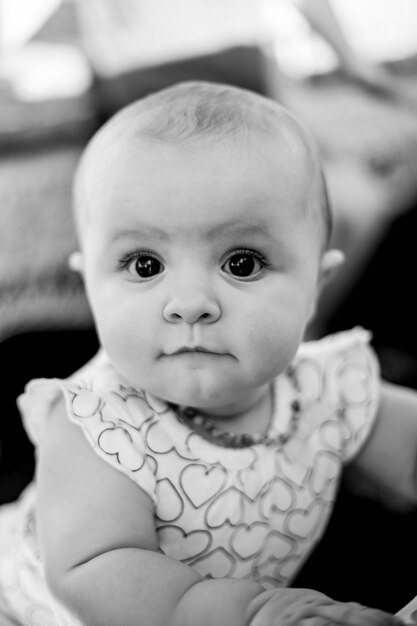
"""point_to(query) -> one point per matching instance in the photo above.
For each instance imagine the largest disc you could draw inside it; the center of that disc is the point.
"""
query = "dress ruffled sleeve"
(359, 391)
(352, 381)
(113, 421)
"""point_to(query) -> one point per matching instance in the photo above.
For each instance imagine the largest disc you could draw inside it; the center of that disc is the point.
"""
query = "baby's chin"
(205, 398)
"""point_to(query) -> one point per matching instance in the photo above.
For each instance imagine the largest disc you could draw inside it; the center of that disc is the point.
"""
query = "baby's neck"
(253, 417)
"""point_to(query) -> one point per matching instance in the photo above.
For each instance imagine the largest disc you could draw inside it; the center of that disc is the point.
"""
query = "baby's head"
(203, 223)
(201, 114)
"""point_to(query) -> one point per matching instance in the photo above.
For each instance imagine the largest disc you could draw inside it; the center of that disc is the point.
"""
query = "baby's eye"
(244, 264)
(147, 266)
(143, 265)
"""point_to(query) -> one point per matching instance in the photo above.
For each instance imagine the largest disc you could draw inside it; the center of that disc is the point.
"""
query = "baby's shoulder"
(341, 364)
(113, 416)
(339, 386)
(95, 396)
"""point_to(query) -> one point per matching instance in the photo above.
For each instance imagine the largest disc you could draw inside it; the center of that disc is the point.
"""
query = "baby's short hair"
(202, 109)
(217, 112)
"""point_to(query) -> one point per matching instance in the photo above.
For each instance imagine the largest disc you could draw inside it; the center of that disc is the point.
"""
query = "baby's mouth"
(197, 350)
(188, 350)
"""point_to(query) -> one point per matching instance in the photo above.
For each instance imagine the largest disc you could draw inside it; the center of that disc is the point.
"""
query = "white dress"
(253, 512)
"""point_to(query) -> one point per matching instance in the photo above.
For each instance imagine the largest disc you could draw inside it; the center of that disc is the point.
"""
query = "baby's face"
(201, 267)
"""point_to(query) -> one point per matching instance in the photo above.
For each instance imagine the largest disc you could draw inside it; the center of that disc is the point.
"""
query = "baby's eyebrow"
(225, 230)
(232, 228)
(148, 232)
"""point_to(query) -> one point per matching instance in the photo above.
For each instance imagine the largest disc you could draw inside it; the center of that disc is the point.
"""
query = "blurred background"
(347, 69)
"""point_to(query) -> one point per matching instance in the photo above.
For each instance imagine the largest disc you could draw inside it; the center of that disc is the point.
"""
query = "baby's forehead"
(123, 154)
(138, 130)
(127, 137)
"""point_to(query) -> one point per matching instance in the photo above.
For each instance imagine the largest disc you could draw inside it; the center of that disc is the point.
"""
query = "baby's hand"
(294, 607)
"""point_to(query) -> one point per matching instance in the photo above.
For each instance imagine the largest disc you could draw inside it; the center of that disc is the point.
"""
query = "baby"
(185, 474)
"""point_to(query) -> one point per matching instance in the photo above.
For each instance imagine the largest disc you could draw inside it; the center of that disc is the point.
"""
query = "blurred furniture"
(368, 144)
(45, 321)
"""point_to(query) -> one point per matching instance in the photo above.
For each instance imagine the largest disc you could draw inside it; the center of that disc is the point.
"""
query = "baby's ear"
(330, 263)
(76, 262)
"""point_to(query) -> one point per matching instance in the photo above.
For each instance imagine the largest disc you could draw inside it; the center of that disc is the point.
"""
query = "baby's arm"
(99, 545)
(386, 466)
(101, 557)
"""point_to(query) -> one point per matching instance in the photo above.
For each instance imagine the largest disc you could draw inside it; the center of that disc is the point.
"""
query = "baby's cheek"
(123, 344)
(274, 339)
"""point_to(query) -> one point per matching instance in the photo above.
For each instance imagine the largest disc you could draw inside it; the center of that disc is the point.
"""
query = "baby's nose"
(192, 307)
